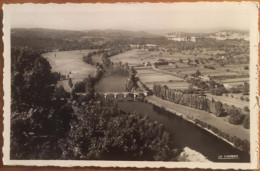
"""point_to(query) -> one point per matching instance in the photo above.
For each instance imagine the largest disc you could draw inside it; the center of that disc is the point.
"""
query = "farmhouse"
(134, 46)
(205, 77)
(150, 45)
(147, 64)
(193, 39)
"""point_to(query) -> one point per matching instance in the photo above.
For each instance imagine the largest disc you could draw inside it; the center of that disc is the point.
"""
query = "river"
(186, 134)
(111, 83)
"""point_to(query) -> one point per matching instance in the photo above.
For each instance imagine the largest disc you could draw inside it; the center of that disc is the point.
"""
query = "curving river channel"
(186, 134)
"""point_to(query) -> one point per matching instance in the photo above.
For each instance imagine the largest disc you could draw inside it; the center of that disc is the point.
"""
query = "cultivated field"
(235, 100)
(70, 63)
(230, 70)
(149, 76)
(136, 57)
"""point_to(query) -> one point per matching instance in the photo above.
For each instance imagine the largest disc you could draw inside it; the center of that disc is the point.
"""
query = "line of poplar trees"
(191, 100)
(196, 101)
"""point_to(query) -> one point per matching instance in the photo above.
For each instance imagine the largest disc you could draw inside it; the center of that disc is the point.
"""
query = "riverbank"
(191, 114)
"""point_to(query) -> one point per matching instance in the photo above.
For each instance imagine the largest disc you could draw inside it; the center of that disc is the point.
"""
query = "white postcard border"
(7, 9)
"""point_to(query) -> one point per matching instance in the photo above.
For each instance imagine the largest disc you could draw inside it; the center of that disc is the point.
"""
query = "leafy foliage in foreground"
(101, 131)
(32, 80)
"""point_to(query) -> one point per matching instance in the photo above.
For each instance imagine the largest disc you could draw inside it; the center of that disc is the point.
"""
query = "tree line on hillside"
(48, 44)
(200, 102)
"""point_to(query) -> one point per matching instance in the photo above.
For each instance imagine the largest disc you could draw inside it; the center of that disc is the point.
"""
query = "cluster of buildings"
(224, 35)
(180, 38)
(142, 45)
(221, 35)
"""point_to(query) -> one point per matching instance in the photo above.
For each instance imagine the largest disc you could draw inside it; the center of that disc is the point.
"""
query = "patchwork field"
(136, 57)
(229, 70)
(228, 83)
(150, 77)
(171, 75)
(70, 63)
(235, 80)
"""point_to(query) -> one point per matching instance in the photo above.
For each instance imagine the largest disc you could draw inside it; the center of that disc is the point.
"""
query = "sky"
(132, 16)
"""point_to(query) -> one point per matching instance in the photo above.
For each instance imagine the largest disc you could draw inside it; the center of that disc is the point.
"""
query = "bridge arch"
(123, 95)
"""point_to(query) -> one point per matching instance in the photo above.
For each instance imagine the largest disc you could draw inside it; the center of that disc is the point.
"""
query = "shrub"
(79, 87)
(241, 98)
(246, 109)
(209, 67)
(246, 122)
(235, 116)
(245, 90)
(60, 93)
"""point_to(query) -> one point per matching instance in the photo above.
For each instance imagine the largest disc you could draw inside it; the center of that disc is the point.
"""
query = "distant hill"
(45, 33)
(67, 34)
(192, 31)
(119, 34)
(50, 39)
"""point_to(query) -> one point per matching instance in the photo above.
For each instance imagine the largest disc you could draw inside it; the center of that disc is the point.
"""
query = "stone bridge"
(116, 94)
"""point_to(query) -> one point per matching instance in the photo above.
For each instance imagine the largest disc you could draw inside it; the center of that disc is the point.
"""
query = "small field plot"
(176, 66)
(235, 80)
(155, 76)
(234, 68)
(228, 83)
(70, 63)
(231, 100)
(173, 85)
(150, 77)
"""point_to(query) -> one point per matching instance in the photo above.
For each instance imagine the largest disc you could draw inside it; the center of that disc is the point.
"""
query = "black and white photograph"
(169, 85)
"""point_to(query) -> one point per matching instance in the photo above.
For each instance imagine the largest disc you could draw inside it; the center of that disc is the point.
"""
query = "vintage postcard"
(170, 85)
